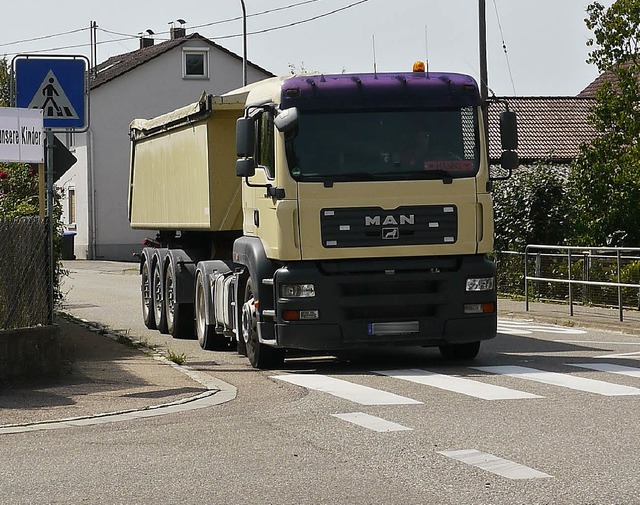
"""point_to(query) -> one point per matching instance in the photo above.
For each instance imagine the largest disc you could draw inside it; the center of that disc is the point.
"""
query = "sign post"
(57, 87)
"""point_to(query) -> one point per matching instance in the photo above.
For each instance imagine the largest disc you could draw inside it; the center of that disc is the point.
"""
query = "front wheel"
(260, 355)
(459, 352)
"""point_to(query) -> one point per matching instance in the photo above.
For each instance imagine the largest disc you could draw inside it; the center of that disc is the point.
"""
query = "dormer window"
(195, 63)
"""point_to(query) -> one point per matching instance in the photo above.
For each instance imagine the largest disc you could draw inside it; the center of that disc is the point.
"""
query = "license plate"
(394, 328)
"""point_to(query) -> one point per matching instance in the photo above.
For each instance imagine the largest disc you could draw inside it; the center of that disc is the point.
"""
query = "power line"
(43, 37)
(295, 23)
(504, 47)
(266, 30)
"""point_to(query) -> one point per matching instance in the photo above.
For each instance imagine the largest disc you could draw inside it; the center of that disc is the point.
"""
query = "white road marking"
(363, 395)
(371, 422)
(562, 380)
(494, 464)
(628, 355)
(458, 385)
(595, 342)
(611, 368)
(526, 328)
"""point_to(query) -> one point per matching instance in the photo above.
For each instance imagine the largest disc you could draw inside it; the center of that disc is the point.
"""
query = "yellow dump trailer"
(182, 174)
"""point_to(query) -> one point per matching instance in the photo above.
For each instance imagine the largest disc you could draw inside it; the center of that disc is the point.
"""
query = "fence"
(24, 274)
(604, 276)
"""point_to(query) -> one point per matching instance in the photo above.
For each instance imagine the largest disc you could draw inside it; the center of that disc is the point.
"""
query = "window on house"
(71, 211)
(195, 63)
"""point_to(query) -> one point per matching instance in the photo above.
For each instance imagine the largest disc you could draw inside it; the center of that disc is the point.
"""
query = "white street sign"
(21, 135)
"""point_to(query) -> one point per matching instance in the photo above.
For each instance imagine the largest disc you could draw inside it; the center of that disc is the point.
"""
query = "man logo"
(390, 233)
(402, 220)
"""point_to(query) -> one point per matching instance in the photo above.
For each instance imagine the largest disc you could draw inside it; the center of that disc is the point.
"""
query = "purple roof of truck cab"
(386, 90)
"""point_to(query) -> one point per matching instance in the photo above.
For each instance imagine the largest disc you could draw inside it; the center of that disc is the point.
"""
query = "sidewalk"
(105, 377)
(108, 379)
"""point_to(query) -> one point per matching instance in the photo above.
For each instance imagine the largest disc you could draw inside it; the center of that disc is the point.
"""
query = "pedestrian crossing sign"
(57, 86)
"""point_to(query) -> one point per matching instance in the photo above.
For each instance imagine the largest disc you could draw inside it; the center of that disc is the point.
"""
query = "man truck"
(359, 215)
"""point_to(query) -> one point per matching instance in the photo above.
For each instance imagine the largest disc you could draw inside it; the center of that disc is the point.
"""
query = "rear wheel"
(456, 352)
(179, 315)
(159, 313)
(207, 337)
(147, 298)
(260, 355)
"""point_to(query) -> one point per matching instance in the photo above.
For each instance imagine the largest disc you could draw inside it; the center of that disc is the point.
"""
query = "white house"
(152, 80)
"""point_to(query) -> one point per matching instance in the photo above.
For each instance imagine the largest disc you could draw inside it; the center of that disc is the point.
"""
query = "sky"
(545, 40)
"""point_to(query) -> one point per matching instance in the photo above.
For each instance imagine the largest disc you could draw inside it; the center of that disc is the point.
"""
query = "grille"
(373, 226)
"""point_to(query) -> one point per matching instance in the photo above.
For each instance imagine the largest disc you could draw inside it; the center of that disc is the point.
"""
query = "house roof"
(550, 129)
(590, 90)
(121, 64)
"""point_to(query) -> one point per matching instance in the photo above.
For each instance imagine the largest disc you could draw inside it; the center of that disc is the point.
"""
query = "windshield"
(384, 145)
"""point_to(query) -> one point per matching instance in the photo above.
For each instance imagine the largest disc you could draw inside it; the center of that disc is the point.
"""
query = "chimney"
(177, 33)
(146, 40)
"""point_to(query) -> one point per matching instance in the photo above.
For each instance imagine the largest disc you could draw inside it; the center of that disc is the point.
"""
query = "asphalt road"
(544, 415)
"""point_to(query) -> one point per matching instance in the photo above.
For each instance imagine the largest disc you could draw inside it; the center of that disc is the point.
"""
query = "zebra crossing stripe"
(371, 422)
(356, 393)
(494, 464)
(611, 368)
(562, 380)
(458, 385)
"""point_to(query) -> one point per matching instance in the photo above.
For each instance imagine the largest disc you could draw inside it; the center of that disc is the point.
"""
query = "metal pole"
(244, 44)
(619, 287)
(50, 219)
(484, 84)
(526, 278)
(570, 291)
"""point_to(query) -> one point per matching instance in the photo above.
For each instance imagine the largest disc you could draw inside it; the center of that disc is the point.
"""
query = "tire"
(207, 337)
(159, 312)
(147, 297)
(260, 355)
(179, 316)
(460, 352)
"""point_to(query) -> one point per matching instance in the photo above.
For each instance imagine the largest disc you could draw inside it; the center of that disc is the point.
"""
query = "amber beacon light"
(418, 66)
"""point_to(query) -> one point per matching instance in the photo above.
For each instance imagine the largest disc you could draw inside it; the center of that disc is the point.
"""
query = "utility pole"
(244, 44)
(484, 84)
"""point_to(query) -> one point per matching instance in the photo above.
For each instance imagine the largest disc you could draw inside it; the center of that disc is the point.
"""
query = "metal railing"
(612, 261)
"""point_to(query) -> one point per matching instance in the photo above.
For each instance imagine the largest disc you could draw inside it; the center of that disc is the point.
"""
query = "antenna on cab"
(375, 65)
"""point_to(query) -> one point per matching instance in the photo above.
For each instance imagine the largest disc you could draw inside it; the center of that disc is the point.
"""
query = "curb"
(216, 392)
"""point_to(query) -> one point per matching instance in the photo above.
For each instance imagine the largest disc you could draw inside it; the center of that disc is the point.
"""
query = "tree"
(5, 87)
(605, 178)
(530, 208)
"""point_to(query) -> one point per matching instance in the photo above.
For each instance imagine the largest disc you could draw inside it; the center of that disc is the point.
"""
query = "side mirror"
(286, 120)
(509, 130)
(245, 137)
(509, 160)
(245, 167)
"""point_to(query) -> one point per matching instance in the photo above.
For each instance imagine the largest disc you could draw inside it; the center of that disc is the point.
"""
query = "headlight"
(297, 290)
(480, 284)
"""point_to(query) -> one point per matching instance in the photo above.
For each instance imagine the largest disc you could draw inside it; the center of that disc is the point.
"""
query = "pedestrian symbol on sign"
(52, 99)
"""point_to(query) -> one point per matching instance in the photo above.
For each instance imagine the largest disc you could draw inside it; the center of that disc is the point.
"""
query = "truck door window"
(265, 150)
